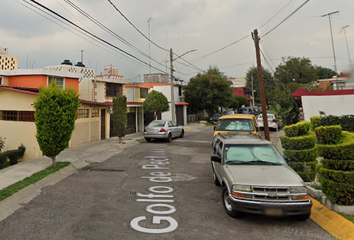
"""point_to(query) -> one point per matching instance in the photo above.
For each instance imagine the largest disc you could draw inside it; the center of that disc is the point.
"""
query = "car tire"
(227, 205)
(182, 134)
(148, 139)
(215, 179)
(169, 138)
(302, 217)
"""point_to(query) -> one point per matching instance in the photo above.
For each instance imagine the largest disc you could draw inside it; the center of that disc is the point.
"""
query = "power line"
(89, 33)
(276, 14)
(136, 27)
(297, 9)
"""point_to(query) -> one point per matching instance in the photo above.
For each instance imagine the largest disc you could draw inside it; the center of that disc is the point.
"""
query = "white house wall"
(332, 105)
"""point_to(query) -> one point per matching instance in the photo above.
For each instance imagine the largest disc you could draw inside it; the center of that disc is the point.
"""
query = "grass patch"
(350, 218)
(12, 189)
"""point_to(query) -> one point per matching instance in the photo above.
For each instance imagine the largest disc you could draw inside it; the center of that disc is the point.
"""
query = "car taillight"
(162, 130)
(259, 121)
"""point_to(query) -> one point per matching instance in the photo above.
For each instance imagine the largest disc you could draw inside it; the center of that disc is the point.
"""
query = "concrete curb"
(332, 222)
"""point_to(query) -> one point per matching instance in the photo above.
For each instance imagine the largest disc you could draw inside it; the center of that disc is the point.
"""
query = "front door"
(103, 124)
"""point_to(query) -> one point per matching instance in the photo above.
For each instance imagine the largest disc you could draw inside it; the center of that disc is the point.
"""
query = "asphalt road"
(155, 190)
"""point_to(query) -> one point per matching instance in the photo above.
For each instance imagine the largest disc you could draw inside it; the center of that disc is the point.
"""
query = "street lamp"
(346, 41)
(330, 27)
(171, 75)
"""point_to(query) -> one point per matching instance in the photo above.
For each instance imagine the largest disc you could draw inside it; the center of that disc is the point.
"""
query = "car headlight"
(241, 188)
(298, 189)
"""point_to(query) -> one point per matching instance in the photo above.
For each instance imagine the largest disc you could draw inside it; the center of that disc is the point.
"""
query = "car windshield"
(157, 124)
(235, 125)
(253, 155)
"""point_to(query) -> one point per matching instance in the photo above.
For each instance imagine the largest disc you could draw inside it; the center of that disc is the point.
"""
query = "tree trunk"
(54, 162)
(120, 139)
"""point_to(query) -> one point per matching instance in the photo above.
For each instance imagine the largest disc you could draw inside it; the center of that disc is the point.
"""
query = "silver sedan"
(163, 129)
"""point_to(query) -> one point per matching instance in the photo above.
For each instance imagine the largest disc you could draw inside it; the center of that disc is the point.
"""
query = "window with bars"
(59, 80)
(113, 90)
(21, 116)
(82, 113)
(95, 112)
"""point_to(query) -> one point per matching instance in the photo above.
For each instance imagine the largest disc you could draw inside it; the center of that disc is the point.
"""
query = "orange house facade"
(18, 92)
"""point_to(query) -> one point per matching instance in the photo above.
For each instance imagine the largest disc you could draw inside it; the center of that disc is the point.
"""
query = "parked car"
(255, 110)
(273, 122)
(163, 129)
(237, 123)
(256, 178)
(215, 118)
(245, 110)
(228, 112)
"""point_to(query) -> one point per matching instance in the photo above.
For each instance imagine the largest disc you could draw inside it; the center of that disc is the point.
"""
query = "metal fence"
(196, 117)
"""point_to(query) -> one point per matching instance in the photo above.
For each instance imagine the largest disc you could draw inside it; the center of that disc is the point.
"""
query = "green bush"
(343, 165)
(12, 156)
(306, 155)
(3, 159)
(338, 193)
(338, 176)
(329, 134)
(298, 129)
(299, 143)
(345, 121)
(306, 170)
(315, 122)
(342, 151)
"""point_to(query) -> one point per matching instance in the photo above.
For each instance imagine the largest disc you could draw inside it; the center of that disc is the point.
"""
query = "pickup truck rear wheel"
(227, 204)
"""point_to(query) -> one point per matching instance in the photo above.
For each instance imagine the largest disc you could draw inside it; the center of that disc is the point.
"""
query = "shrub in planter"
(329, 134)
(299, 143)
(337, 173)
(300, 148)
(298, 129)
(12, 156)
(315, 122)
(345, 121)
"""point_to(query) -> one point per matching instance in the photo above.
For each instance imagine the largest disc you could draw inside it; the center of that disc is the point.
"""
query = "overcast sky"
(183, 25)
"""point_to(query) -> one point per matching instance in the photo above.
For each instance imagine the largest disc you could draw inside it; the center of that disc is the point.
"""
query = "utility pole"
(330, 28)
(149, 45)
(252, 91)
(82, 56)
(261, 86)
(346, 41)
(172, 90)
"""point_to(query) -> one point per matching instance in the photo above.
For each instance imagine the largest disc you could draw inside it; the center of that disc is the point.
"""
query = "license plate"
(274, 211)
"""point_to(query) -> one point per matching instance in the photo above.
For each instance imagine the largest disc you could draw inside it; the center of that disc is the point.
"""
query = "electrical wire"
(297, 9)
(276, 14)
(96, 37)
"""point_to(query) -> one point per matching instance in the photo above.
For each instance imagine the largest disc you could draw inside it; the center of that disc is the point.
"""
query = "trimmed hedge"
(343, 151)
(306, 155)
(315, 122)
(298, 129)
(12, 155)
(329, 134)
(345, 121)
(299, 143)
(338, 176)
(339, 193)
(342, 165)
(306, 170)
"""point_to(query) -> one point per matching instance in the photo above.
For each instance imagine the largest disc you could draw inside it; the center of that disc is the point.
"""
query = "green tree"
(268, 81)
(325, 73)
(155, 102)
(120, 119)
(241, 100)
(208, 91)
(55, 115)
(299, 70)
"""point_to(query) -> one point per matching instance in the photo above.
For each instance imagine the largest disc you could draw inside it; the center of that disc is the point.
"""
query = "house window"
(1, 83)
(59, 80)
(83, 113)
(113, 90)
(22, 116)
(95, 112)
(143, 92)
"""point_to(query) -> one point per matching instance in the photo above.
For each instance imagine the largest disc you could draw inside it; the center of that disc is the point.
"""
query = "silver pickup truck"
(256, 178)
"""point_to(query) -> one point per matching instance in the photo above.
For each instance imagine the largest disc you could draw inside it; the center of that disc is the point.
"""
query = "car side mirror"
(214, 127)
(216, 158)
(285, 158)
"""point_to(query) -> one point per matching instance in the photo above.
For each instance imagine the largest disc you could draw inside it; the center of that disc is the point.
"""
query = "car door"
(218, 166)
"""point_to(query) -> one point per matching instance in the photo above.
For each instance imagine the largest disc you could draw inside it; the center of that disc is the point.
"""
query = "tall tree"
(208, 91)
(120, 119)
(268, 81)
(324, 73)
(155, 102)
(295, 69)
(55, 116)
